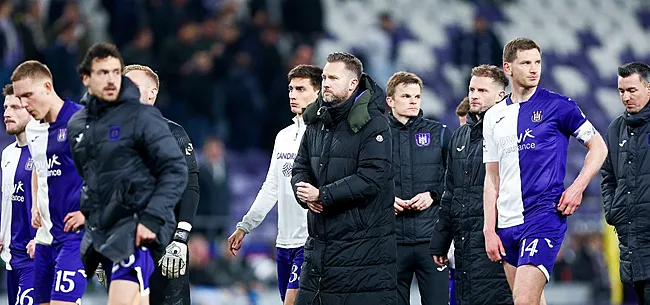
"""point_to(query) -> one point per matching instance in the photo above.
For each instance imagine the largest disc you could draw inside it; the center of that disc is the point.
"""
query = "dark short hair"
(32, 69)
(463, 107)
(98, 51)
(351, 62)
(640, 68)
(495, 73)
(8, 90)
(313, 73)
(516, 45)
(401, 78)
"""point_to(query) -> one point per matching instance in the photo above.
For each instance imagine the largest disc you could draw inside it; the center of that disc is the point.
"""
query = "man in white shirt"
(304, 85)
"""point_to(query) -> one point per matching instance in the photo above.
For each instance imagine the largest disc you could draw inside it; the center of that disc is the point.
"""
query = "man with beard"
(16, 232)
(626, 184)
(525, 202)
(134, 172)
(419, 160)
(304, 85)
(342, 175)
(477, 279)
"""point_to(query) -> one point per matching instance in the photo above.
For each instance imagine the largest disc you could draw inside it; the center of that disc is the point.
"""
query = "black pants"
(433, 281)
(642, 289)
(166, 291)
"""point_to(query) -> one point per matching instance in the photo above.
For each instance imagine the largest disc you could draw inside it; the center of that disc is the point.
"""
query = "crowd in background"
(223, 67)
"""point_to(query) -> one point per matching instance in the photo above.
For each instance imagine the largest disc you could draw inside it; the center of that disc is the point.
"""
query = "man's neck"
(55, 108)
(522, 94)
(21, 138)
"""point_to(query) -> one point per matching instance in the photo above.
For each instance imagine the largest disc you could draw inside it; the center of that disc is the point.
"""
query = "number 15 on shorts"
(529, 246)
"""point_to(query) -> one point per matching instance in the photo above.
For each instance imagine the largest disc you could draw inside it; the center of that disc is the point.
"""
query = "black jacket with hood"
(134, 172)
(350, 254)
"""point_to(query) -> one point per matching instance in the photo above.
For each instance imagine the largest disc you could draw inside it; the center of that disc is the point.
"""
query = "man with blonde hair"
(477, 280)
(57, 185)
(170, 283)
(418, 168)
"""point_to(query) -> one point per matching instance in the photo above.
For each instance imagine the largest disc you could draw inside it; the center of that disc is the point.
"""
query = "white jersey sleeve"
(490, 153)
(266, 197)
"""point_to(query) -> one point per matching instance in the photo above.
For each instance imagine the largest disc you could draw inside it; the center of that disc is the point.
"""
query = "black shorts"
(166, 291)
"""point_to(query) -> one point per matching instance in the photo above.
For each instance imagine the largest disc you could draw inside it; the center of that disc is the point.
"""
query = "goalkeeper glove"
(174, 262)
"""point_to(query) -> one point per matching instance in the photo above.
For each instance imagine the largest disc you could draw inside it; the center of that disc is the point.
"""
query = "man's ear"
(507, 68)
(390, 101)
(353, 84)
(49, 88)
(85, 80)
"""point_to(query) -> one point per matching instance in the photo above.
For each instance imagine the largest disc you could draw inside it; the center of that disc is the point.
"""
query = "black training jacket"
(134, 172)
(419, 157)
(626, 191)
(479, 281)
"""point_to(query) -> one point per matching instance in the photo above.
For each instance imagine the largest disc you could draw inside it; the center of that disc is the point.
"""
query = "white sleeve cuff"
(185, 226)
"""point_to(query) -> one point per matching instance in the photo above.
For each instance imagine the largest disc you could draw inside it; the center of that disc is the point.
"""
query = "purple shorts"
(20, 285)
(289, 265)
(535, 242)
(138, 268)
(59, 273)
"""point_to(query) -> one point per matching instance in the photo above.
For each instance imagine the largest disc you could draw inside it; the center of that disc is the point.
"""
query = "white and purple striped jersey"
(16, 217)
(59, 184)
(530, 141)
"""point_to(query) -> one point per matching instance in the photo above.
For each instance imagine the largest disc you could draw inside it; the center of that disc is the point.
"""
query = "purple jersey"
(15, 226)
(530, 140)
(59, 184)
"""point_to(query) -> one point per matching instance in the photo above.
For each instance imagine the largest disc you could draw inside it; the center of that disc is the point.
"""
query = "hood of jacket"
(367, 99)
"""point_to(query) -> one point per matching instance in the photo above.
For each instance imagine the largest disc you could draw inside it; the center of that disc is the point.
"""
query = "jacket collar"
(367, 94)
(411, 121)
(638, 119)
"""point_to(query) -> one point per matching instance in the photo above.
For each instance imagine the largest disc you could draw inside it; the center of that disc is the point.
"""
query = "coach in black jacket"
(342, 174)
(134, 171)
(479, 281)
(419, 156)
(626, 178)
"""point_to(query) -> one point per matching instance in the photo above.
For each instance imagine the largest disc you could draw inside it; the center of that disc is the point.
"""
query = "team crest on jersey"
(286, 169)
(537, 116)
(114, 133)
(422, 139)
(63, 135)
(29, 165)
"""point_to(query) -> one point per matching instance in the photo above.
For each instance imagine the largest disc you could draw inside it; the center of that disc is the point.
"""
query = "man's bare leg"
(122, 292)
(529, 286)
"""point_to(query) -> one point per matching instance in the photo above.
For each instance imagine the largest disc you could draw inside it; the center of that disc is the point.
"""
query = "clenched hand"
(310, 195)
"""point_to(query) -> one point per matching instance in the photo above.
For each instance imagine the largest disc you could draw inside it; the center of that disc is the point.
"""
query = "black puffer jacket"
(134, 172)
(419, 158)
(478, 280)
(350, 255)
(626, 191)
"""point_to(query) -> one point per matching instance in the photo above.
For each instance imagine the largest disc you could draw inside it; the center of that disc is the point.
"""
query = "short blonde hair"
(146, 70)
(31, 69)
(401, 78)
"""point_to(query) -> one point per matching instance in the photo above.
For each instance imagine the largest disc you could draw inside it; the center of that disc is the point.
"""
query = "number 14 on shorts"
(531, 247)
